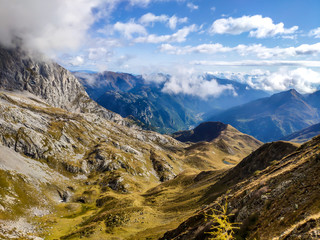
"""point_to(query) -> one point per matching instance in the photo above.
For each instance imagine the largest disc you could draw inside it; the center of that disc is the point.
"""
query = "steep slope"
(271, 118)
(304, 134)
(313, 99)
(156, 110)
(280, 201)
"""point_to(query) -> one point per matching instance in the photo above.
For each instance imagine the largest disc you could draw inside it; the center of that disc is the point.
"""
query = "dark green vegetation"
(274, 117)
(145, 101)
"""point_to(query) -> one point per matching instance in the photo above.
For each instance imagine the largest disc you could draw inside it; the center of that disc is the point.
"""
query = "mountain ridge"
(304, 135)
(273, 117)
(37, 75)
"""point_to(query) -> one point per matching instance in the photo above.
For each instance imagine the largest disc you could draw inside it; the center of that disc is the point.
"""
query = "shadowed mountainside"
(304, 134)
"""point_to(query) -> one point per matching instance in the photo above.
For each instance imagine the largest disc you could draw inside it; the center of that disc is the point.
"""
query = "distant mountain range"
(131, 95)
(274, 117)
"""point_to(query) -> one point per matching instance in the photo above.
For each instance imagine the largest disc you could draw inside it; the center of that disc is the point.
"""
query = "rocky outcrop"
(162, 167)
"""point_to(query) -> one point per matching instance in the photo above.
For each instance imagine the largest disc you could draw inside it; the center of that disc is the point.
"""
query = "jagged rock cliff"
(49, 81)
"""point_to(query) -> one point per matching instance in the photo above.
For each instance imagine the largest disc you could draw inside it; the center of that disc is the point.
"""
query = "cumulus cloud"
(57, 25)
(179, 36)
(187, 82)
(255, 63)
(257, 26)
(256, 49)
(192, 6)
(155, 77)
(129, 29)
(203, 48)
(150, 18)
(140, 2)
(77, 61)
(302, 79)
(99, 53)
(173, 21)
(87, 78)
(315, 32)
(46, 25)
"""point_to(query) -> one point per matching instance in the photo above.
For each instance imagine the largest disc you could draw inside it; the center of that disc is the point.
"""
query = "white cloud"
(257, 26)
(150, 18)
(57, 25)
(155, 77)
(77, 61)
(179, 36)
(192, 6)
(315, 32)
(203, 48)
(46, 25)
(302, 79)
(263, 63)
(173, 21)
(257, 50)
(129, 29)
(87, 78)
(99, 53)
(143, 3)
(187, 82)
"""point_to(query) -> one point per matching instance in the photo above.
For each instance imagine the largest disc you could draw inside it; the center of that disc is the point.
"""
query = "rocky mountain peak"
(286, 96)
(49, 81)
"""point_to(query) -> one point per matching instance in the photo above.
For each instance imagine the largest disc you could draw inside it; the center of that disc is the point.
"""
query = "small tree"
(221, 228)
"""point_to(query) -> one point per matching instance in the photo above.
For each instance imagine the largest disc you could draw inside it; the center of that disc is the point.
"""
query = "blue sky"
(272, 45)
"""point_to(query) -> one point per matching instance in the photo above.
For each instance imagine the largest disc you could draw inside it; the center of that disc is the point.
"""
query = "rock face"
(49, 81)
